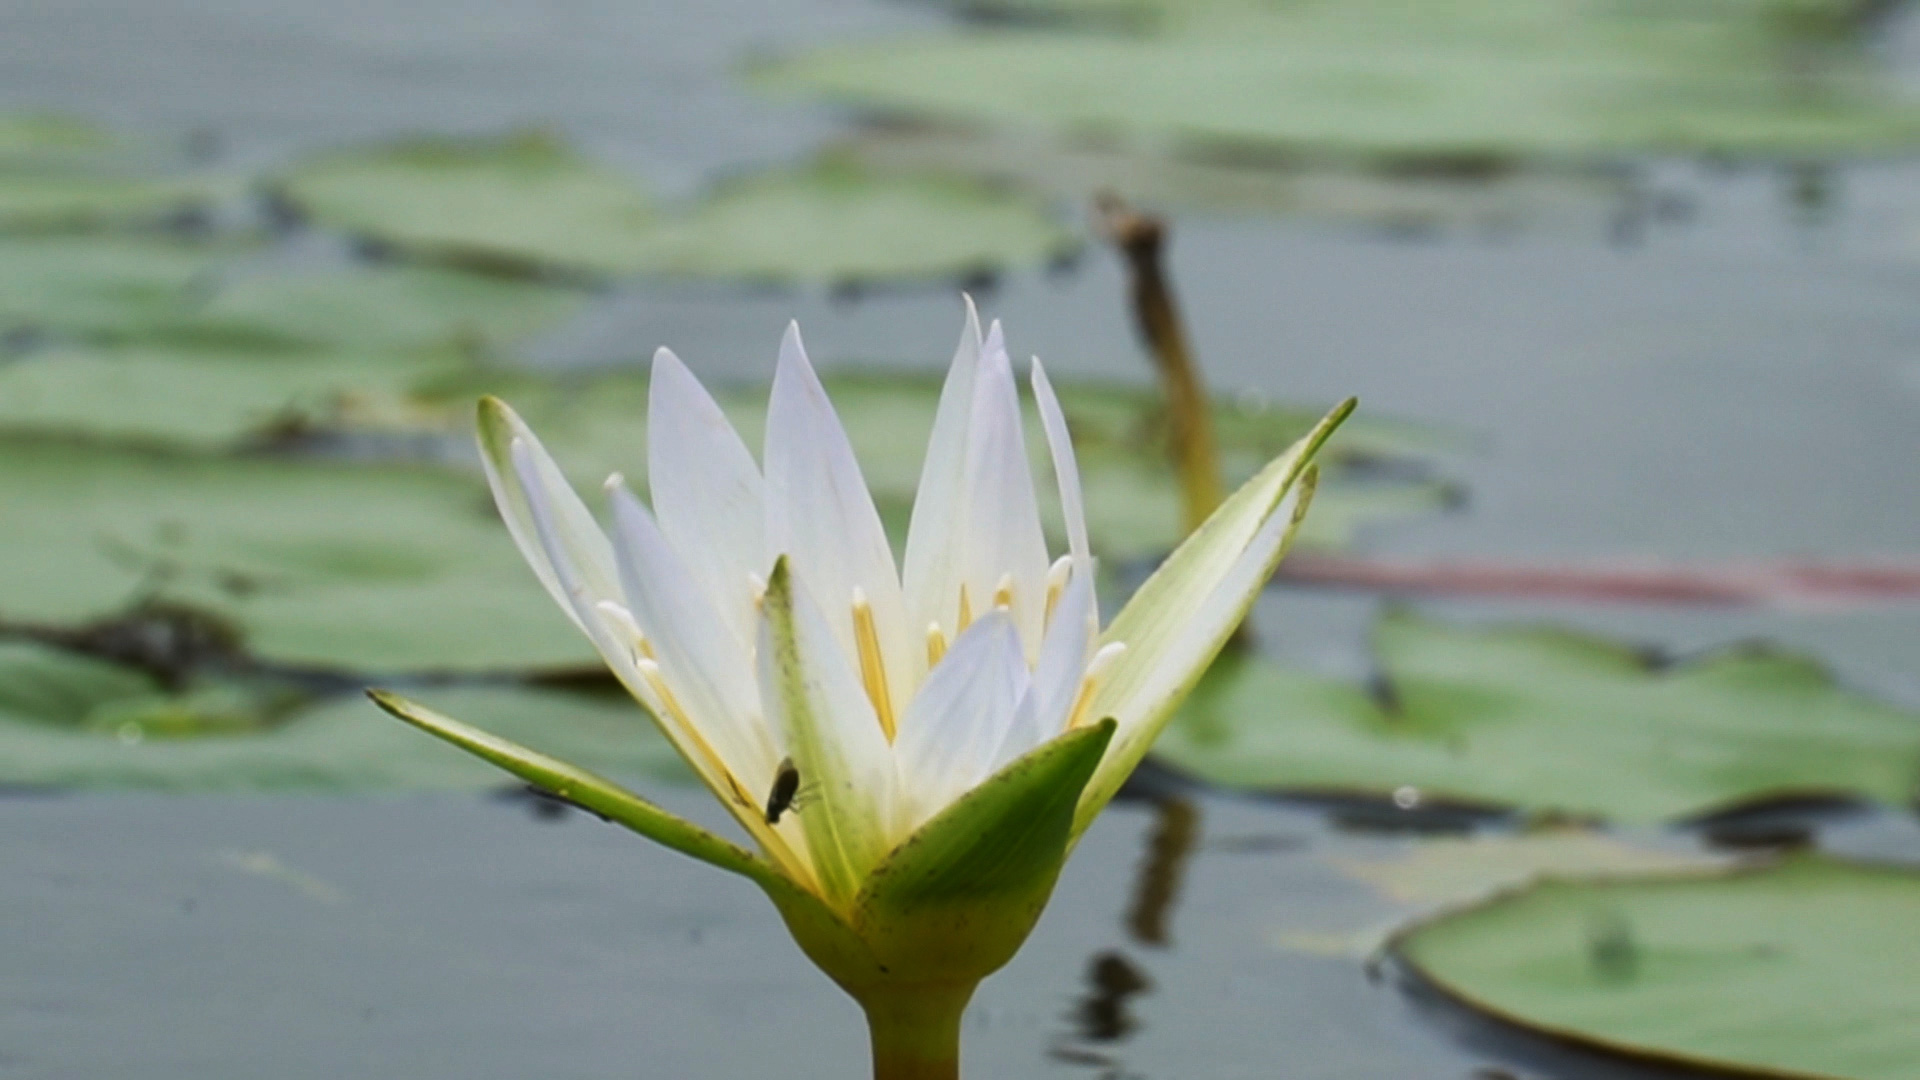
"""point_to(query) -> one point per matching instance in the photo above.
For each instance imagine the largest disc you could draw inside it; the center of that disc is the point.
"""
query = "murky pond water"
(1745, 383)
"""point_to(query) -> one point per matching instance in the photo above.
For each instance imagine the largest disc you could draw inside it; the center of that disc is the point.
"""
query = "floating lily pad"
(834, 222)
(59, 173)
(1547, 720)
(1810, 968)
(368, 568)
(370, 309)
(1076, 173)
(72, 722)
(100, 286)
(596, 425)
(1484, 80)
(522, 202)
(207, 400)
(1444, 872)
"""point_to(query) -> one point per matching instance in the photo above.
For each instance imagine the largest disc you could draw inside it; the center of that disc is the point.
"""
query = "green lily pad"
(1076, 173)
(60, 173)
(834, 222)
(1809, 968)
(1547, 720)
(1438, 873)
(386, 568)
(205, 400)
(67, 721)
(520, 203)
(371, 309)
(1484, 80)
(596, 425)
(102, 286)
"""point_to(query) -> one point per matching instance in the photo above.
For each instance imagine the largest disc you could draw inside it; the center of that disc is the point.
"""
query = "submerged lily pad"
(386, 568)
(1547, 720)
(67, 721)
(1810, 968)
(1374, 79)
(835, 222)
(521, 202)
(597, 425)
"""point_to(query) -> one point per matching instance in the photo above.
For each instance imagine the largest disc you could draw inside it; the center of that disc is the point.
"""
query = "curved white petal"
(1000, 517)
(699, 657)
(820, 514)
(849, 782)
(1063, 660)
(707, 491)
(577, 544)
(931, 574)
(1175, 644)
(959, 720)
(1066, 472)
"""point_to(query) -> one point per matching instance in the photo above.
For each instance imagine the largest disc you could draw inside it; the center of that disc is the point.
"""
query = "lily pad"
(370, 309)
(206, 400)
(1494, 202)
(1809, 968)
(521, 203)
(1547, 720)
(1436, 873)
(60, 173)
(596, 425)
(1485, 80)
(67, 721)
(368, 568)
(102, 286)
(835, 222)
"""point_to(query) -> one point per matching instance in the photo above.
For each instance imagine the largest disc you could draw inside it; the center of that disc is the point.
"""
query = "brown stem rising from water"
(1140, 239)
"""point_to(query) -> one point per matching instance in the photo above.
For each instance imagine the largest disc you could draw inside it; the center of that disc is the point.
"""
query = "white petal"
(932, 571)
(958, 721)
(1063, 660)
(1066, 472)
(1000, 517)
(577, 538)
(848, 778)
(567, 542)
(705, 666)
(820, 514)
(706, 491)
(1162, 664)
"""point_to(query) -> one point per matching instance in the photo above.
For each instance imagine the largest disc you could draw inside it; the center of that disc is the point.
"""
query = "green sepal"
(822, 935)
(584, 789)
(956, 900)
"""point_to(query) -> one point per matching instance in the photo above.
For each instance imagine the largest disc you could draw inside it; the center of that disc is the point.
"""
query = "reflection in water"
(1101, 1017)
(1176, 830)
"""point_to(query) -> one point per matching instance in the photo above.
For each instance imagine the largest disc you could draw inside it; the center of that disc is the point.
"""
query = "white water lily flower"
(945, 713)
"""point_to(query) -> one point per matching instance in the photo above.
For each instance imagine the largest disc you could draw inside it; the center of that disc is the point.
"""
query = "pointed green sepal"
(584, 789)
(954, 902)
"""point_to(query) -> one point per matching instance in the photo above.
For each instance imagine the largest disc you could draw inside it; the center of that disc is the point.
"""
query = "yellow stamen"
(872, 671)
(966, 612)
(936, 644)
(747, 807)
(759, 585)
(1003, 592)
(1056, 585)
(1090, 682)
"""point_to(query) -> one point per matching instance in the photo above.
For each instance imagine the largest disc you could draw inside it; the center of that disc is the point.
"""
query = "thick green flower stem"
(916, 1030)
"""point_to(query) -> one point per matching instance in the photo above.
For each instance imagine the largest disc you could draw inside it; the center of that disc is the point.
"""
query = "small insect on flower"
(956, 717)
(786, 786)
